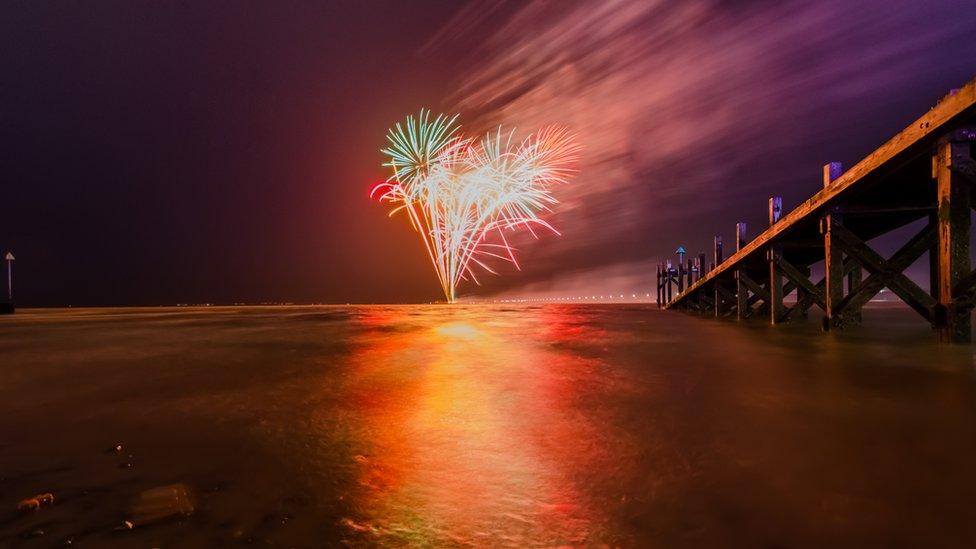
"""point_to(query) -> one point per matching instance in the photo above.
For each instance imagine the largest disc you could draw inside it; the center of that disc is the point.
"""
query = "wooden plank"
(908, 143)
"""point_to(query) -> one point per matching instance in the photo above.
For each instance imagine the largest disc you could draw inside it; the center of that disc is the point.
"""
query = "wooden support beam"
(718, 298)
(659, 300)
(808, 299)
(705, 299)
(757, 290)
(833, 256)
(717, 254)
(680, 276)
(801, 292)
(726, 294)
(886, 272)
(953, 170)
(833, 270)
(742, 309)
(964, 289)
(853, 281)
(776, 294)
(802, 282)
(776, 290)
(934, 259)
(667, 286)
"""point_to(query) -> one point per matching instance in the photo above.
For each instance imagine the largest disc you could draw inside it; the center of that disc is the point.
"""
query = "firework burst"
(463, 195)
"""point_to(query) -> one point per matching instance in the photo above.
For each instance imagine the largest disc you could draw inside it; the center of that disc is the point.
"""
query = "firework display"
(466, 196)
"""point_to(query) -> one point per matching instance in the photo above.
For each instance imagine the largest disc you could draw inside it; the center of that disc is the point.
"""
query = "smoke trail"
(690, 111)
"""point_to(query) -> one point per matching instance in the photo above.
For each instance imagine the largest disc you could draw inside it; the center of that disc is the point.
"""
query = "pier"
(924, 172)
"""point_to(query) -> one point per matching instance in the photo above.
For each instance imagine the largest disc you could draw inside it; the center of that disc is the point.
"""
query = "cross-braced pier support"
(924, 174)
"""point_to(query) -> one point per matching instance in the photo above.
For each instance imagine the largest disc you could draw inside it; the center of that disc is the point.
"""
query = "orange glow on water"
(470, 435)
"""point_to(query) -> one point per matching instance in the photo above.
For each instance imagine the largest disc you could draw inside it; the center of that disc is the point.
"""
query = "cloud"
(689, 110)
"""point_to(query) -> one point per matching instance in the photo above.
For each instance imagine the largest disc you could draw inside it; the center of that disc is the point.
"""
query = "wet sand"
(485, 426)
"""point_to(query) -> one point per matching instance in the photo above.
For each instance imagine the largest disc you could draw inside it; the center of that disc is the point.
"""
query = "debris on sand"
(161, 503)
(359, 527)
(36, 502)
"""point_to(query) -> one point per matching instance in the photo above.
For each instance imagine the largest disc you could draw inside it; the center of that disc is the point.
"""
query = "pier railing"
(924, 172)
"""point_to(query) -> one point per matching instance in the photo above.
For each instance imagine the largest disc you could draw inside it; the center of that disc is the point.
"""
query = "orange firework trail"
(459, 192)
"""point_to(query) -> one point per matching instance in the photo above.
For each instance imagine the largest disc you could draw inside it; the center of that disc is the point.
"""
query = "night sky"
(193, 152)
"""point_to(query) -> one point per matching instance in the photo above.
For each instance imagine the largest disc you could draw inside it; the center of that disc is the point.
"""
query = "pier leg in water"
(741, 292)
(775, 286)
(833, 256)
(775, 276)
(953, 170)
(833, 272)
(717, 284)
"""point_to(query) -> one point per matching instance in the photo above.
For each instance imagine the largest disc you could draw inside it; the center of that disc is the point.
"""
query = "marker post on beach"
(10, 278)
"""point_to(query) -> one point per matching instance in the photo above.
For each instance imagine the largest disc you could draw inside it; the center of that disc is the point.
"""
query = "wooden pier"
(925, 172)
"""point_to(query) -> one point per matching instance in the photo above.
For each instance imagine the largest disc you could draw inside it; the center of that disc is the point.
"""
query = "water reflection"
(471, 432)
(585, 426)
(488, 426)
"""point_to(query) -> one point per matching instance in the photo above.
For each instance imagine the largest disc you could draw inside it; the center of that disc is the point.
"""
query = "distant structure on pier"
(926, 172)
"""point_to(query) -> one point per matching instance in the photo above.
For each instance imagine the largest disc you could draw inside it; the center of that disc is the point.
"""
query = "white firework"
(458, 193)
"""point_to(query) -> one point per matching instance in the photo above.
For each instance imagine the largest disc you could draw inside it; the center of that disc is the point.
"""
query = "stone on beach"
(161, 503)
(36, 502)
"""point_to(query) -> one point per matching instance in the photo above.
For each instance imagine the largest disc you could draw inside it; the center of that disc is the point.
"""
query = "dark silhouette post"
(741, 292)
(10, 277)
(775, 276)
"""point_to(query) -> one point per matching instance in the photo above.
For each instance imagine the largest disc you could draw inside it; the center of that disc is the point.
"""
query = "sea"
(552, 425)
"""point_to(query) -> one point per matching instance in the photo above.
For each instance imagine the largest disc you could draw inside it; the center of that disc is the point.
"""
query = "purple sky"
(167, 152)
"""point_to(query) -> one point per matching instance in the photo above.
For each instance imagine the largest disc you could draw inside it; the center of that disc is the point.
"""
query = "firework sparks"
(463, 195)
